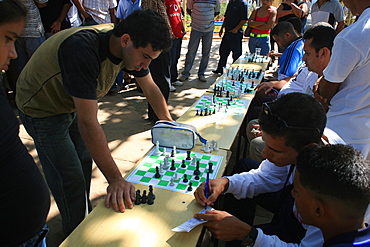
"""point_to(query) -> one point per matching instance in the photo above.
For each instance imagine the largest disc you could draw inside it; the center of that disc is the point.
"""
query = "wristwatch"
(249, 240)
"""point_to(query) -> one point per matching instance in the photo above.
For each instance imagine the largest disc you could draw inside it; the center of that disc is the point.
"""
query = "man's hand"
(220, 32)
(118, 192)
(56, 26)
(265, 86)
(224, 226)
(257, 132)
(324, 102)
(216, 188)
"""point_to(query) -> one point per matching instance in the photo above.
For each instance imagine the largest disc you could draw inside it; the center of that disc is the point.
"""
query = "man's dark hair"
(145, 27)
(283, 27)
(297, 24)
(322, 35)
(12, 11)
(336, 171)
(304, 116)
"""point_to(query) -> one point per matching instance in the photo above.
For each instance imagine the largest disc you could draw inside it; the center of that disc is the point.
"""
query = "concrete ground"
(123, 118)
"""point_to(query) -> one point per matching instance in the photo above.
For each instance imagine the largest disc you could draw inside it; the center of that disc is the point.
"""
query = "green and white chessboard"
(234, 86)
(145, 171)
(236, 107)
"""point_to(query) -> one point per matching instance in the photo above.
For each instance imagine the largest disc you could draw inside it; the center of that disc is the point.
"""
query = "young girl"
(24, 195)
(261, 20)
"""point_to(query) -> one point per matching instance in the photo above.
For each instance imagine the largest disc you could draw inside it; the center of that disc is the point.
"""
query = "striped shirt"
(33, 27)
(203, 14)
(99, 9)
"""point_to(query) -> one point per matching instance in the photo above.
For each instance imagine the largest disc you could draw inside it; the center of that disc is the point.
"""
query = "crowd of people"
(308, 130)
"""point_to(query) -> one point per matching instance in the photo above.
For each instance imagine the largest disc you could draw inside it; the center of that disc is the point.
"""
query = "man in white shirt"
(345, 85)
(288, 124)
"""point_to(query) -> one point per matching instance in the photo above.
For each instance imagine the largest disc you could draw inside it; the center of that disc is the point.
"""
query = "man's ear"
(319, 208)
(125, 39)
(324, 52)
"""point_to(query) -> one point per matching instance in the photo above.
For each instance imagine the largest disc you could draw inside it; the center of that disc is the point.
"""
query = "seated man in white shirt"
(288, 124)
(319, 41)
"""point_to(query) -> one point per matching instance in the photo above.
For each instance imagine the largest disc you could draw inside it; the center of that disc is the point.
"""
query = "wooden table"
(144, 225)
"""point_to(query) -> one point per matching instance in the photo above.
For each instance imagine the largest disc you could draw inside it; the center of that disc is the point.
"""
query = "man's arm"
(154, 97)
(327, 89)
(81, 8)
(240, 25)
(339, 27)
(113, 17)
(119, 190)
(57, 24)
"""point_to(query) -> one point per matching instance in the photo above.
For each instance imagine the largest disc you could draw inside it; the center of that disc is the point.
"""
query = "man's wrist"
(250, 239)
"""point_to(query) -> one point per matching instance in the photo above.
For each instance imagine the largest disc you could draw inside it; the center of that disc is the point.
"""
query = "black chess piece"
(196, 177)
(173, 153)
(197, 114)
(210, 170)
(157, 175)
(183, 164)
(172, 168)
(188, 155)
(151, 191)
(201, 113)
(137, 198)
(190, 188)
(144, 197)
(197, 171)
(150, 198)
(206, 112)
(185, 180)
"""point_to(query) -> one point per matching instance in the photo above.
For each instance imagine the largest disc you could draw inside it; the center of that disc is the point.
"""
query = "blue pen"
(207, 189)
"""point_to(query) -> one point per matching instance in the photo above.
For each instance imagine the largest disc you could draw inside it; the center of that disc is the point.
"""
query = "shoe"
(183, 78)
(172, 89)
(202, 78)
(217, 72)
(177, 83)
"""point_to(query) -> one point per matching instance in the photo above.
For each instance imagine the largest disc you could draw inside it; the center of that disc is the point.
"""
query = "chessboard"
(214, 105)
(145, 171)
(240, 74)
(233, 87)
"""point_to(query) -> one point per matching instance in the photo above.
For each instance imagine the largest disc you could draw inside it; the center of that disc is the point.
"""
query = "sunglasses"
(280, 123)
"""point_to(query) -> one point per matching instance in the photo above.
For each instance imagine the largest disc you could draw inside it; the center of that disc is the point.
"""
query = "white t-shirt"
(349, 113)
(302, 83)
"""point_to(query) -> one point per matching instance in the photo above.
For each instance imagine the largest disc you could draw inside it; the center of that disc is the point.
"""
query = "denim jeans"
(231, 42)
(39, 240)
(66, 163)
(25, 47)
(195, 37)
(261, 42)
(175, 55)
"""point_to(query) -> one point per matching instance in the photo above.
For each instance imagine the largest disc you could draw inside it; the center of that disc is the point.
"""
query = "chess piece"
(196, 177)
(215, 146)
(166, 163)
(185, 180)
(210, 170)
(157, 151)
(157, 175)
(183, 164)
(161, 168)
(164, 151)
(173, 153)
(151, 191)
(175, 177)
(150, 198)
(206, 148)
(172, 182)
(197, 114)
(197, 171)
(188, 155)
(190, 188)
(172, 168)
(144, 197)
(137, 198)
(194, 160)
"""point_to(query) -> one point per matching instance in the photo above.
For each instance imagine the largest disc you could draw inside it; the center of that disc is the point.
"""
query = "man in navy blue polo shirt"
(236, 16)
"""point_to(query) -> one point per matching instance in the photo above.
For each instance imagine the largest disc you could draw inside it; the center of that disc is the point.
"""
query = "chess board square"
(153, 170)
(163, 183)
(147, 164)
(145, 179)
(140, 173)
(181, 170)
(181, 186)
(169, 173)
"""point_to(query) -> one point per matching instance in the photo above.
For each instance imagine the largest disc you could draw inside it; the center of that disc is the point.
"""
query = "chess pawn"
(157, 151)
(206, 148)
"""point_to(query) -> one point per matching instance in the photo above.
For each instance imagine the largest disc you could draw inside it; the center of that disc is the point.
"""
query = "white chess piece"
(172, 181)
(215, 146)
(207, 149)
(175, 177)
(174, 150)
(164, 151)
(157, 151)
(161, 168)
(194, 160)
(166, 162)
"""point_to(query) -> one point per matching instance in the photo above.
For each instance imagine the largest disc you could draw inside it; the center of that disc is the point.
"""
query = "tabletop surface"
(144, 225)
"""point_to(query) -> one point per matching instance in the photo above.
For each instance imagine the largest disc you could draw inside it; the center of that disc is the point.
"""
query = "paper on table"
(192, 223)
